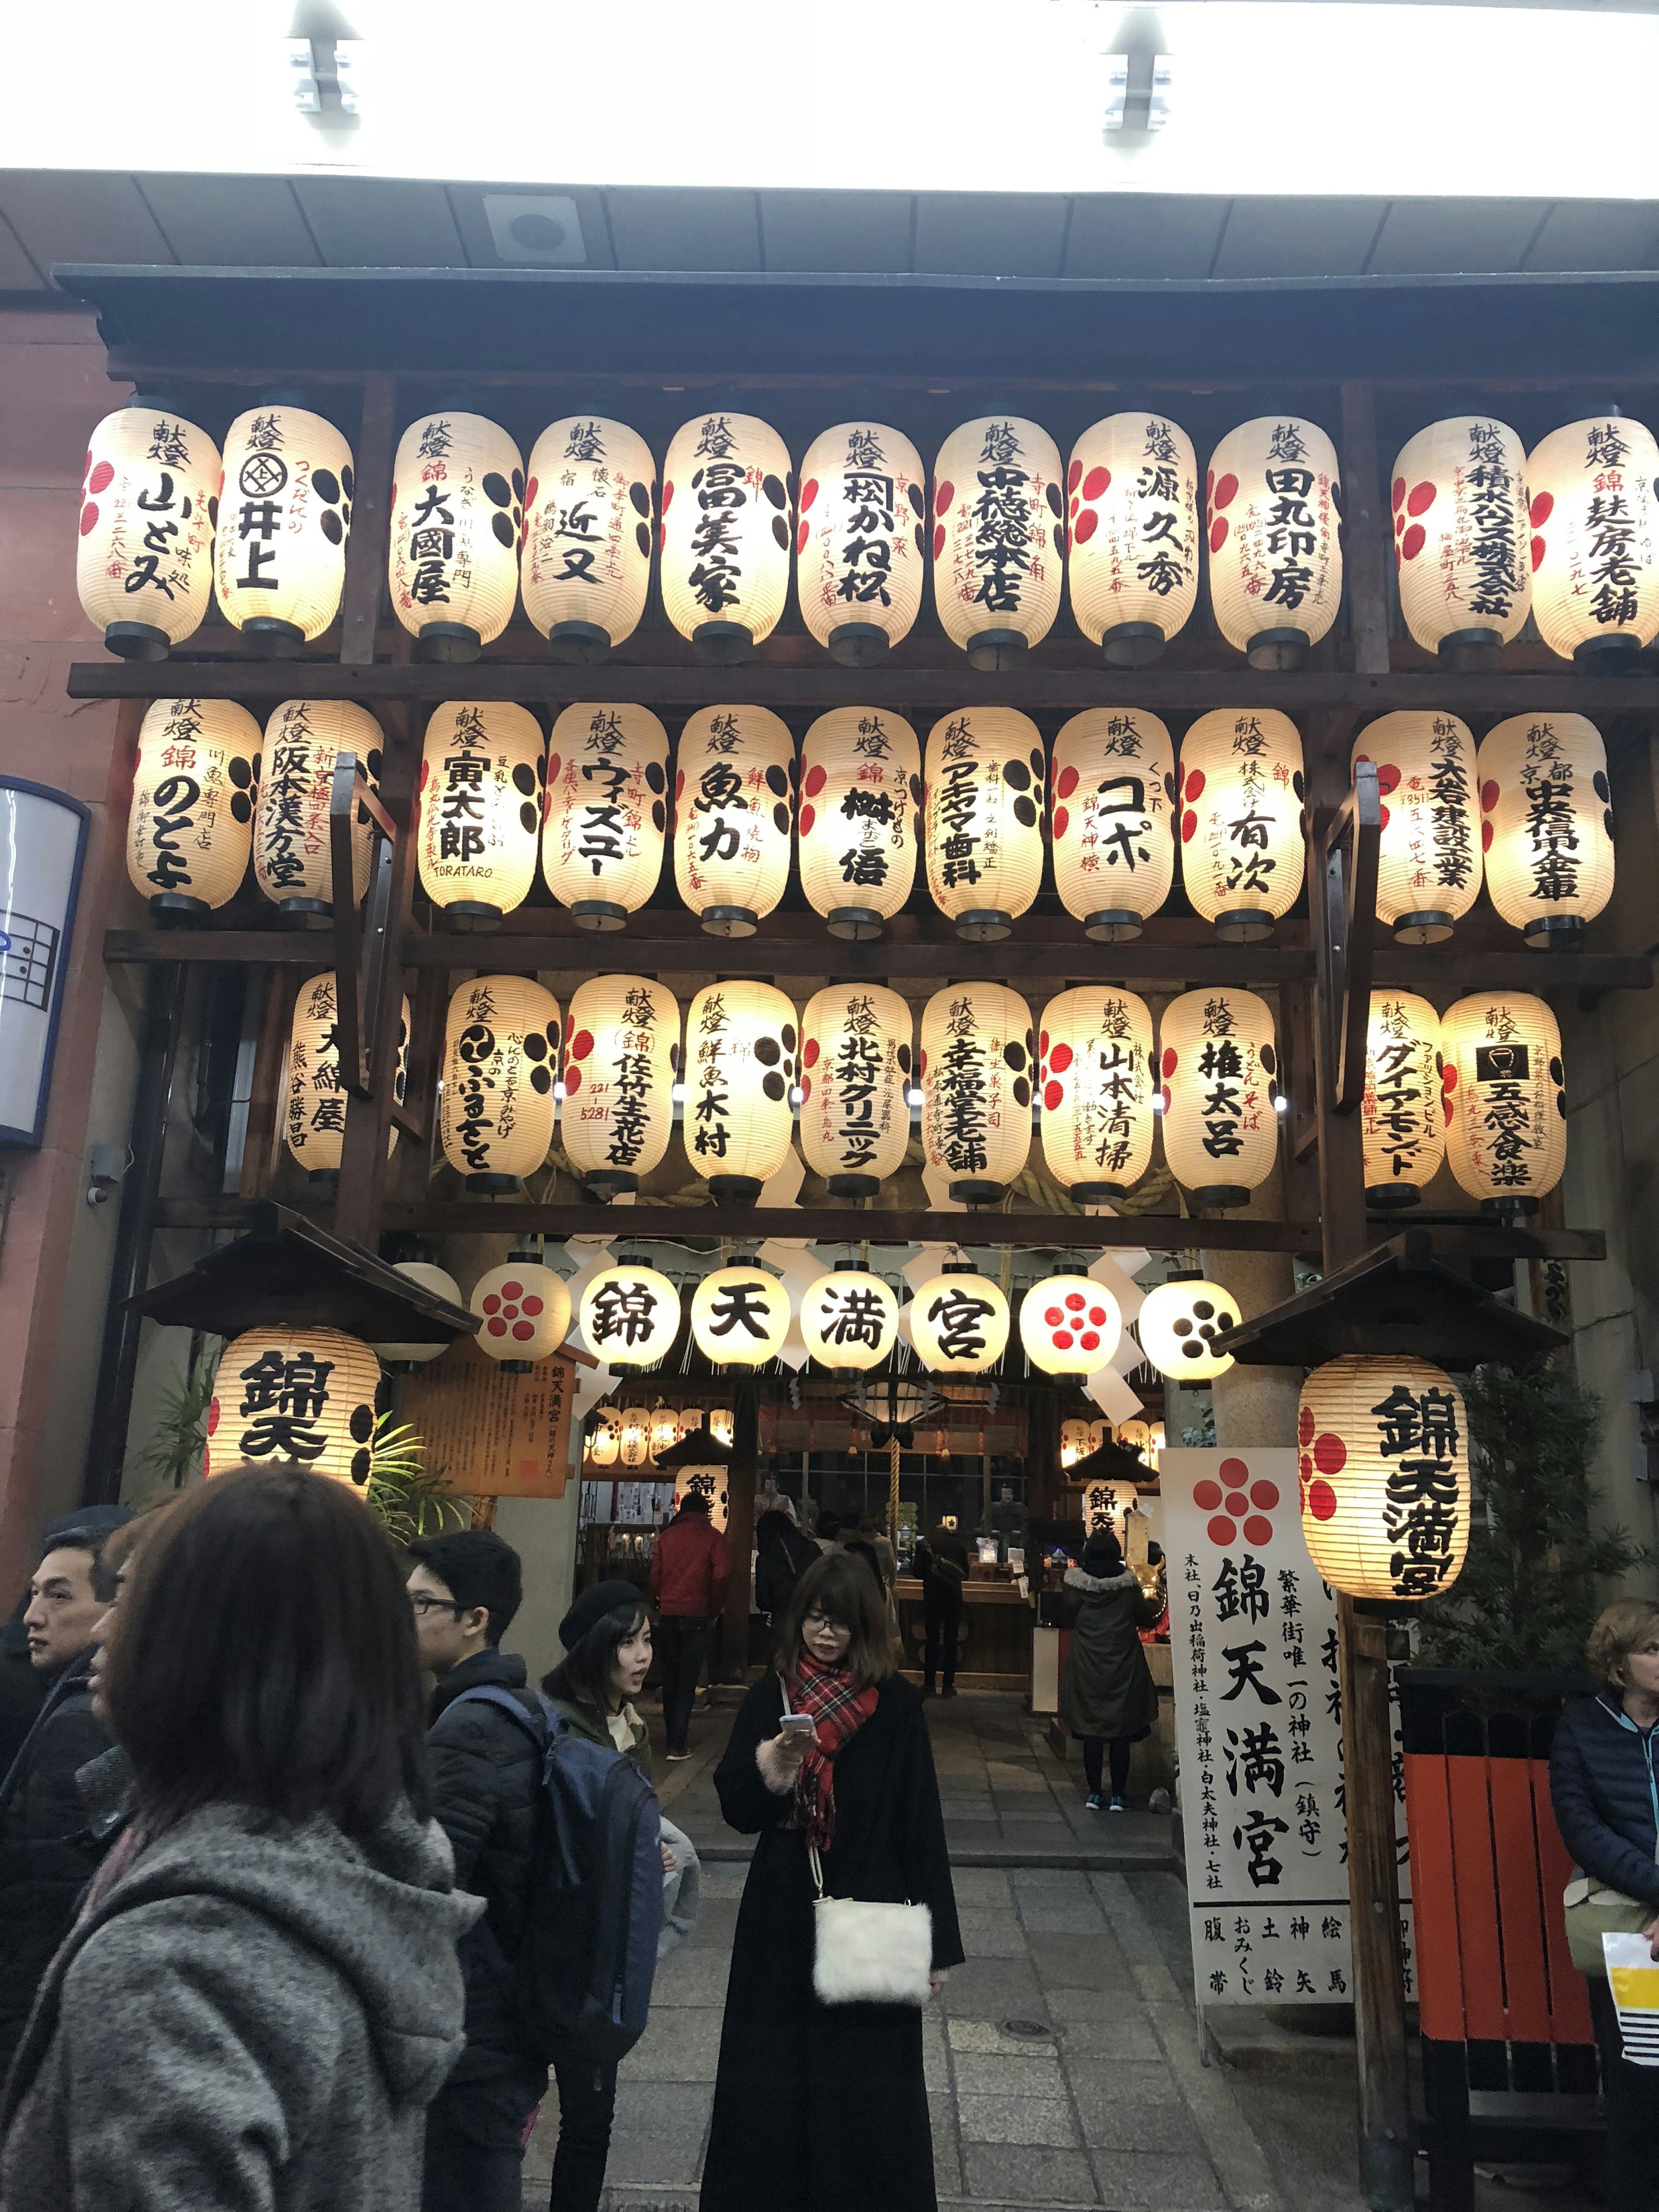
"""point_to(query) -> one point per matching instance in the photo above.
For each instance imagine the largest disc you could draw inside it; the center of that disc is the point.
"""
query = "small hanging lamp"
(984, 775)
(1242, 827)
(1112, 820)
(621, 1056)
(1546, 825)
(860, 824)
(978, 1056)
(1273, 510)
(1428, 873)
(1460, 537)
(734, 782)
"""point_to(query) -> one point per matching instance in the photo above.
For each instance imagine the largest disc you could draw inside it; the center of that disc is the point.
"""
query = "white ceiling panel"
(836, 232)
(369, 222)
(17, 272)
(65, 216)
(1143, 235)
(1298, 238)
(683, 230)
(990, 233)
(1423, 238)
(1599, 234)
(231, 222)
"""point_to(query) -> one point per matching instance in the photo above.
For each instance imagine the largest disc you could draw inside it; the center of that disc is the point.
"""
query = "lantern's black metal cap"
(578, 644)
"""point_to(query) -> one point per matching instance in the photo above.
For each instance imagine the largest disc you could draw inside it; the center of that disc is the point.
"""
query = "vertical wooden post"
(1365, 538)
(371, 520)
(740, 1480)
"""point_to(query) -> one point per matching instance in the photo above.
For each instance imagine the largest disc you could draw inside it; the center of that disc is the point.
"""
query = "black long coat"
(823, 2108)
(1107, 1689)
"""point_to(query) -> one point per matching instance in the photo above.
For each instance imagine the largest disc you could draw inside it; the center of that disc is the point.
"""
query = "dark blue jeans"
(474, 2142)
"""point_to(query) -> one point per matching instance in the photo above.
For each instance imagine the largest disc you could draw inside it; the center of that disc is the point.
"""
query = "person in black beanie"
(1107, 1695)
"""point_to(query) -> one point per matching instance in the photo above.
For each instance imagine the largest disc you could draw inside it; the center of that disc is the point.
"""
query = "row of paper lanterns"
(1483, 532)
(1529, 808)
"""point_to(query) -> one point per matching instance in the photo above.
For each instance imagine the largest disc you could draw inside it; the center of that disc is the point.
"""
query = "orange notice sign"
(495, 1435)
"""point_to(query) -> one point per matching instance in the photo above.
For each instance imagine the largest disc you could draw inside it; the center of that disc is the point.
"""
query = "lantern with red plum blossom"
(978, 1055)
(1096, 1083)
(143, 566)
(732, 817)
(621, 1053)
(1219, 1070)
(859, 823)
(860, 543)
(999, 539)
(1402, 1123)
(1384, 1476)
(1594, 515)
(1132, 501)
(191, 826)
(1112, 820)
(1242, 823)
(855, 1072)
(1274, 501)
(1460, 538)
(1428, 873)
(524, 1312)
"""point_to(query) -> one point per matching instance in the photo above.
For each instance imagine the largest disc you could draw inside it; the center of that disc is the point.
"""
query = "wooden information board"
(495, 1435)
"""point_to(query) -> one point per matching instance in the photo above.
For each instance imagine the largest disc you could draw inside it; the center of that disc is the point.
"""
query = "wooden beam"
(371, 519)
(1365, 532)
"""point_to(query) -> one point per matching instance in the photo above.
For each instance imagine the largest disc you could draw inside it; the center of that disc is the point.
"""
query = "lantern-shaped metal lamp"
(284, 517)
(629, 1315)
(1274, 510)
(1506, 1101)
(1594, 554)
(732, 783)
(300, 1395)
(1428, 873)
(481, 805)
(1402, 1124)
(457, 518)
(1220, 1079)
(861, 791)
(405, 1358)
(849, 1319)
(191, 827)
(999, 539)
(740, 1062)
(1177, 1325)
(292, 861)
(1384, 1476)
(1112, 820)
(959, 1322)
(525, 1310)
(978, 1057)
(984, 819)
(605, 1438)
(727, 527)
(1546, 825)
(588, 512)
(1096, 1081)
(860, 544)
(143, 567)
(1242, 834)
(1132, 503)
(314, 1091)
(501, 1061)
(739, 1317)
(621, 1053)
(1460, 538)
(607, 811)
(1069, 1325)
(855, 1074)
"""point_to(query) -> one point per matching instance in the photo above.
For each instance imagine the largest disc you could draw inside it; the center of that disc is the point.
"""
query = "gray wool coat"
(253, 2019)
(1107, 1689)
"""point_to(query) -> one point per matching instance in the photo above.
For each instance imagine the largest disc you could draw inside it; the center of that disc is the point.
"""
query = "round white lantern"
(607, 811)
(621, 1053)
(1069, 1325)
(284, 517)
(849, 1319)
(733, 777)
(1221, 1078)
(292, 861)
(1132, 495)
(739, 1317)
(481, 796)
(314, 1091)
(984, 819)
(959, 1323)
(855, 1074)
(457, 518)
(741, 1058)
(1095, 1080)
(1243, 832)
(1594, 554)
(1506, 1101)
(860, 545)
(1384, 1476)
(524, 1310)
(629, 1315)
(1428, 873)
(1546, 823)
(726, 527)
(191, 827)
(861, 790)
(501, 1062)
(404, 1358)
(1273, 512)
(1112, 820)
(999, 539)
(305, 1395)
(143, 566)
(1402, 1125)
(605, 1438)
(1177, 1325)
(588, 512)
(978, 1057)
(1460, 538)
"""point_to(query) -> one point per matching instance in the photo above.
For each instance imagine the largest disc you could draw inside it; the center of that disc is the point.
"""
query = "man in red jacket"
(688, 1572)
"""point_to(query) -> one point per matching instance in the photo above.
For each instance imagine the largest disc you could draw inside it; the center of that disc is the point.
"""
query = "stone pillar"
(1256, 1405)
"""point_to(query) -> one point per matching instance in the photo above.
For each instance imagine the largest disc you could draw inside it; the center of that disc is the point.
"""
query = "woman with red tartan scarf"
(823, 2108)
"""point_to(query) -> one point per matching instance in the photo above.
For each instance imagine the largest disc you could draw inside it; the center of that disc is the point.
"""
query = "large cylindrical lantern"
(524, 1312)
(481, 805)
(404, 1358)
(859, 823)
(300, 1395)
(983, 833)
(1131, 504)
(978, 1057)
(314, 1091)
(1506, 1102)
(1274, 510)
(1402, 1126)
(1384, 1476)
(1460, 538)
(1428, 873)
(1069, 1325)
(860, 544)
(607, 811)
(621, 1053)
(629, 1315)
(1178, 1323)
(855, 1063)
(739, 1317)
(734, 779)
(740, 1060)
(292, 860)
(143, 567)
(959, 1323)
(501, 1060)
(191, 826)
(456, 517)
(1112, 820)
(1546, 823)
(588, 512)
(1594, 554)
(999, 539)
(727, 525)
(284, 517)
(1095, 1074)
(1221, 1078)
(1242, 845)
(849, 1319)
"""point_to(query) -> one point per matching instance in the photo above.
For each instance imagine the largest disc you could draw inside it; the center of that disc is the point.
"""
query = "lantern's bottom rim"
(729, 920)
(993, 652)
(984, 924)
(974, 1190)
(734, 1189)
(447, 645)
(471, 917)
(137, 640)
(1219, 1197)
(1133, 645)
(606, 1182)
(173, 909)
(853, 1185)
(1093, 1194)
(1508, 1207)
(723, 644)
(598, 914)
(854, 925)
(283, 641)
(1392, 1197)
(859, 645)
(324, 1178)
(1113, 925)
(487, 1184)
(1619, 644)
(1469, 651)
(1432, 926)
(1278, 650)
(1244, 926)
(578, 644)
(1554, 932)
(304, 913)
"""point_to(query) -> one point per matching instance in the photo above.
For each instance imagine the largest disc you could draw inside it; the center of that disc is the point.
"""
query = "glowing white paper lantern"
(456, 517)
(284, 517)
(959, 1323)
(740, 1061)
(635, 1437)
(1428, 873)
(1112, 820)
(1069, 1325)
(304, 1395)
(629, 1315)
(1177, 1325)
(1242, 833)
(621, 1053)
(733, 780)
(605, 1438)
(1132, 490)
(739, 1317)
(1460, 538)
(1594, 516)
(854, 1078)
(984, 819)
(1273, 503)
(1506, 1102)
(143, 566)
(524, 1312)
(190, 829)
(1402, 1125)
(314, 1091)
(501, 1061)
(999, 539)
(1095, 1080)
(607, 811)
(1073, 1441)
(404, 1358)
(481, 781)
(1546, 825)
(292, 862)
(861, 791)
(978, 1056)
(860, 546)
(1384, 1476)
(726, 528)
(849, 1319)
(1219, 1069)
(588, 510)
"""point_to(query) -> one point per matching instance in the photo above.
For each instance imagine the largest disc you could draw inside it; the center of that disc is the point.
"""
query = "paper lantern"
(854, 1081)
(501, 1061)
(635, 1437)
(525, 1310)
(605, 1438)
(1106, 1506)
(1506, 1102)
(191, 826)
(1273, 510)
(1384, 1476)
(1243, 830)
(713, 1483)
(978, 1056)
(1073, 1441)
(860, 544)
(1402, 1125)
(629, 1315)
(404, 1358)
(292, 862)
(1219, 1069)
(1112, 820)
(314, 1092)
(284, 517)
(860, 788)
(1069, 1325)
(727, 521)
(664, 1429)
(480, 780)
(1142, 1437)
(1177, 1325)
(1100, 1432)
(1428, 873)
(739, 1317)
(143, 566)
(1546, 825)
(607, 783)
(999, 539)
(1095, 1080)
(959, 1323)
(740, 1062)
(1460, 538)
(720, 1426)
(621, 1055)
(1595, 552)
(733, 779)
(984, 819)
(588, 511)
(849, 1319)
(305, 1395)
(1132, 497)
(456, 516)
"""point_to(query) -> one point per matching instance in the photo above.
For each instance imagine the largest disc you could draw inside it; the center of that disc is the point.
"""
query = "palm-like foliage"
(173, 1456)
(411, 1498)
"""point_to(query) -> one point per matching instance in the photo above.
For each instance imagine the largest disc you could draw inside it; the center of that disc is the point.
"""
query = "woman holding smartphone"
(830, 1748)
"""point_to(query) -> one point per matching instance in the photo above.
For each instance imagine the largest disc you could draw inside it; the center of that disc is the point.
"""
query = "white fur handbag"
(866, 1954)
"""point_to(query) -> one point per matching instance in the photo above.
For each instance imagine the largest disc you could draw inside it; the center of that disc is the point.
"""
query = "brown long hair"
(843, 1588)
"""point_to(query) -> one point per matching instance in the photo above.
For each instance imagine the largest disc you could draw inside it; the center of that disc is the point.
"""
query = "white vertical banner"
(1259, 1732)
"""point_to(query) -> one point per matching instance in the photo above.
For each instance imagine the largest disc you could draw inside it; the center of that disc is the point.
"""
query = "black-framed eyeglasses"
(424, 1603)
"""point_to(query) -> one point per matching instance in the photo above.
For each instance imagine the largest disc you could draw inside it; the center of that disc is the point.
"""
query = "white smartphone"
(799, 1724)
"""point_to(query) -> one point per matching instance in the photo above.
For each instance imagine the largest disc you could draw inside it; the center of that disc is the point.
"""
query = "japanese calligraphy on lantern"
(1095, 1076)
(1594, 516)
(1241, 822)
(855, 1072)
(861, 791)
(1384, 1475)
(849, 1319)
(739, 1317)
(1402, 1123)
(984, 812)
(1546, 823)
(1428, 862)
(314, 1103)
(860, 542)
(1132, 492)
(622, 1052)
(959, 1323)
(501, 1061)
(607, 811)
(733, 816)
(292, 862)
(978, 1050)
(481, 786)
(1216, 1057)
(1461, 534)
(740, 1060)
(284, 517)
(1506, 1104)
(999, 537)
(588, 512)
(1112, 819)
(145, 561)
(457, 515)
(191, 826)
(725, 531)
(302, 1394)
(629, 1316)
(1274, 504)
